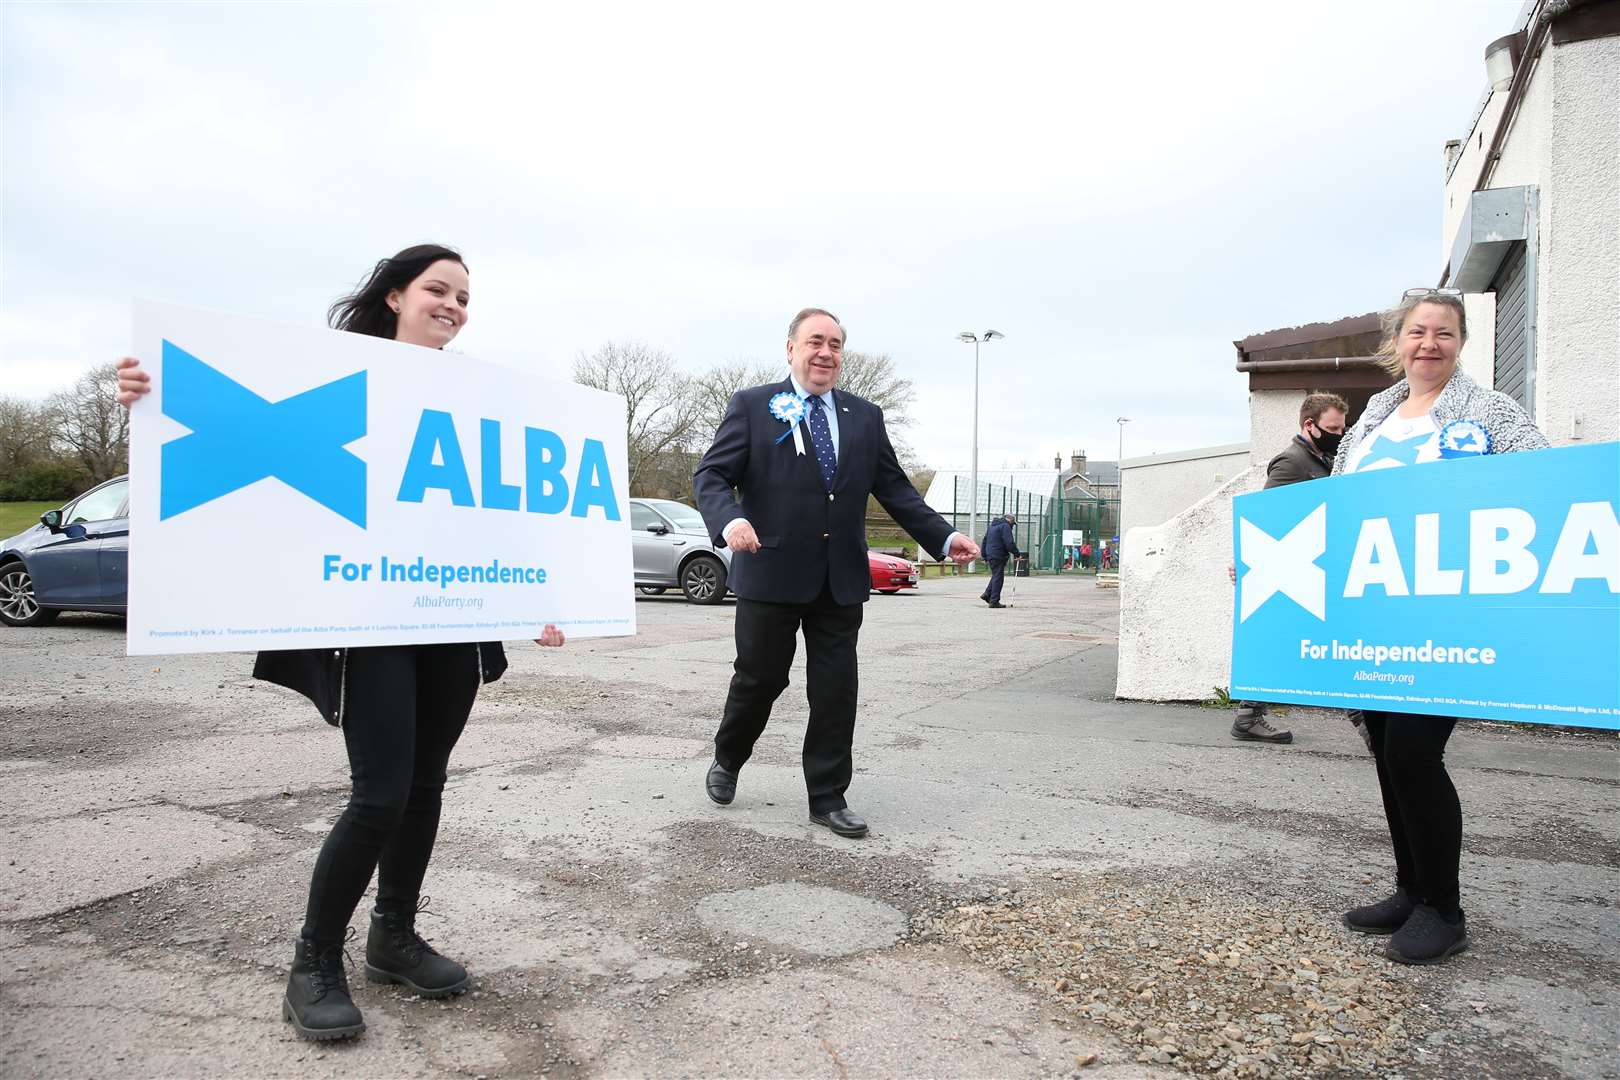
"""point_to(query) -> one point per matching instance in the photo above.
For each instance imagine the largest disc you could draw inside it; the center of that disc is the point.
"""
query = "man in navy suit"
(998, 545)
(803, 460)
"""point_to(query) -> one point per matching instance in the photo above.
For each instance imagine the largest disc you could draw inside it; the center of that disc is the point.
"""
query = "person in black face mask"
(1308, 457)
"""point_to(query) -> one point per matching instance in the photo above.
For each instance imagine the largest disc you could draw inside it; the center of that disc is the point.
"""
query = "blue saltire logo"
(238, 438)
(1401, 451)
(1287, 565)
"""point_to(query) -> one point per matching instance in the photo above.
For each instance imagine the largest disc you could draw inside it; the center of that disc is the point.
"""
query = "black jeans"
(406, 707)
(1424, 813)
(998, 568)
(766, 639)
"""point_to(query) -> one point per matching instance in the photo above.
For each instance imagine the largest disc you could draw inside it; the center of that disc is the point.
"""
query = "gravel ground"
(1190, 975)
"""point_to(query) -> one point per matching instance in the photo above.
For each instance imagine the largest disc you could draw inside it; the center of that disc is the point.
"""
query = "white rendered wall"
(1156, 491)
(1478, 359)
(1577, 376)
(1175, 604)
(1273, 421)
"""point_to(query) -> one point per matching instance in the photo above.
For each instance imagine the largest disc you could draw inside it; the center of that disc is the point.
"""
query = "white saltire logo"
(1286, 565)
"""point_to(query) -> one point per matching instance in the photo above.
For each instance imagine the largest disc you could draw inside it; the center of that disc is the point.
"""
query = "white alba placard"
(294, 487)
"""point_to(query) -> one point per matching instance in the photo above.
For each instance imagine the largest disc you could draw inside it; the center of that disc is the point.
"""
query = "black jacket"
(318, 673)
(999, 542)
(1298, 462)
(807, 535)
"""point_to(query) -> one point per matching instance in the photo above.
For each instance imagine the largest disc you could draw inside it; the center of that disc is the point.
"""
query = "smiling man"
(802, 460)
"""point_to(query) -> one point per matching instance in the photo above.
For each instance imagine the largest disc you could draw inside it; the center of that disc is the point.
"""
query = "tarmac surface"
(159, 818)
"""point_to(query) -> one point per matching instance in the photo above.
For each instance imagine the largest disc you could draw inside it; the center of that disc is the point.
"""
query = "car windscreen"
(683, 516)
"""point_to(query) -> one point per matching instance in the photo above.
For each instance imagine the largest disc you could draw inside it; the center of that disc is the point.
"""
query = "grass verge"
(17, 516)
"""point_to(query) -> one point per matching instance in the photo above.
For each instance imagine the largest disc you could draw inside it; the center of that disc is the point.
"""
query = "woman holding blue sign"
(1435, 412)
(401, 708)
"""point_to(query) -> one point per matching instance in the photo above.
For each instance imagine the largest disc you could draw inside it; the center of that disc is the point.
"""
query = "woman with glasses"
(401, 708)
(1434, 412)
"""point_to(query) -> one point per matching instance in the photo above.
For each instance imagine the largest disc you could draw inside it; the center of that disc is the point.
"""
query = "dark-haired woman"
(401, 709)
(1434, 412)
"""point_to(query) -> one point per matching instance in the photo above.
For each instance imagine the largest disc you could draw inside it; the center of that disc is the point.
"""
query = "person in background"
(401, 709)
(1435, 412)
(1308, 456)
(999, 544)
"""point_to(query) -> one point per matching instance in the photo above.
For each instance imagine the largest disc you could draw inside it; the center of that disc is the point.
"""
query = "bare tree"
(876, 377)
(659, 413)
(89, 426)
(712, 391)
(24, 435)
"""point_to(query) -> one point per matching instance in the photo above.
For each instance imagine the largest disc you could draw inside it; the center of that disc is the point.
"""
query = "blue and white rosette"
(789, 408)
(1464, 438)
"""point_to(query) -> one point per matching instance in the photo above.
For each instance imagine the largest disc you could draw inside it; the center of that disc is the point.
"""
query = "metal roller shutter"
(1512, 345)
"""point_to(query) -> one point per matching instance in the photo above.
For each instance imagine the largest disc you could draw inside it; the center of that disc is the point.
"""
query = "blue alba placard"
(1485, 586)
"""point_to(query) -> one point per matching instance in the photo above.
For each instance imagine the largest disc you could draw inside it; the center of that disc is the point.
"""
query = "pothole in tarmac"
(810, 918)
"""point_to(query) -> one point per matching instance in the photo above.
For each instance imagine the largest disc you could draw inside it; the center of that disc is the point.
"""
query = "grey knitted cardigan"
(1508, 425)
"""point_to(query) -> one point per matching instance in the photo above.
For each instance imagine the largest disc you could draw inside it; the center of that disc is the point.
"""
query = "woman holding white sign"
(401, 708)
(1434, 412)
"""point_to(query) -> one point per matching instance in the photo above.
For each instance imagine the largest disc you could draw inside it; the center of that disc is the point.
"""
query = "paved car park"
(159, 819)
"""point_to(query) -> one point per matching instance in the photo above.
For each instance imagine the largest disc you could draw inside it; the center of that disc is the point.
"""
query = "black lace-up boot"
(317, 1003)
(396, 953)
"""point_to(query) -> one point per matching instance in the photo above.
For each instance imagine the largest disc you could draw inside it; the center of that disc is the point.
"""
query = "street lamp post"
(973, 480)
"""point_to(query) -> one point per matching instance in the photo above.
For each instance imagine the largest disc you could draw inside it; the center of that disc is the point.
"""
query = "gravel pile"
(1207, 982)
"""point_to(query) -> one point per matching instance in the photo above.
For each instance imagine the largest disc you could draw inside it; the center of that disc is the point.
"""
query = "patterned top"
(1399, 440)
(1508, 425)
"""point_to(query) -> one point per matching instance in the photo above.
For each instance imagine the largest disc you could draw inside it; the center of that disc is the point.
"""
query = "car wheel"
(652, 590)
(18, 607)
(703, 580)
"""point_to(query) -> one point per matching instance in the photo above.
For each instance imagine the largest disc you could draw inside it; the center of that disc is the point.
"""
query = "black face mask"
(1326, 442)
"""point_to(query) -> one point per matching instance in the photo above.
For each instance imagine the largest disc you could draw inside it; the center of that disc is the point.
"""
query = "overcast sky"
(1121, 189)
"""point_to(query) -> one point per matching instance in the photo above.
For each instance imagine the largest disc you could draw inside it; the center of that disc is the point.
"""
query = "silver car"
(673, 551)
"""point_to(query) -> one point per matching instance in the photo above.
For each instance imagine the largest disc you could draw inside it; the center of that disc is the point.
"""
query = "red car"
(889, 574)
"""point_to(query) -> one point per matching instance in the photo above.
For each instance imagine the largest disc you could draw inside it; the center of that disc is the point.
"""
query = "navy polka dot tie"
(821, 439)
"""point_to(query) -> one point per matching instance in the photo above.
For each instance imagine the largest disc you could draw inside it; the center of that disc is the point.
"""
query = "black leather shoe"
(721, 783)
(996, 603)
(844, 822)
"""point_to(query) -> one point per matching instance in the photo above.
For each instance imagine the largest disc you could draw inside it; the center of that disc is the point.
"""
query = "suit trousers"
(407, 706)
(998, 570)
(766, 639)
(1420, 804)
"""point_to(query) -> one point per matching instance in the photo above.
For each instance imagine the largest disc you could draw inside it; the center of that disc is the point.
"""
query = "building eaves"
(1356, 335)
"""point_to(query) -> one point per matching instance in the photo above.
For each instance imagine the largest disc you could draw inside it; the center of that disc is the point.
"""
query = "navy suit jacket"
(999, 542)
(808, 537)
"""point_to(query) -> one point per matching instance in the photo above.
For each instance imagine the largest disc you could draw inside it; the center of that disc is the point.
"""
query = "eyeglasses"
(1424, 293)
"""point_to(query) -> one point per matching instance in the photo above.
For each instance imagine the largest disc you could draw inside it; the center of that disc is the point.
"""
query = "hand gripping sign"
(296, 488)
(1486, 587)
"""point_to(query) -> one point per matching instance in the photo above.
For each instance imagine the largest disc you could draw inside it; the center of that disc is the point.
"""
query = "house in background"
(1085, 479)
(1529, 230)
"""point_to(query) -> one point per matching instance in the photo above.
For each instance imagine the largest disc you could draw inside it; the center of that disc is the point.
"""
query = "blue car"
(75, 559)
